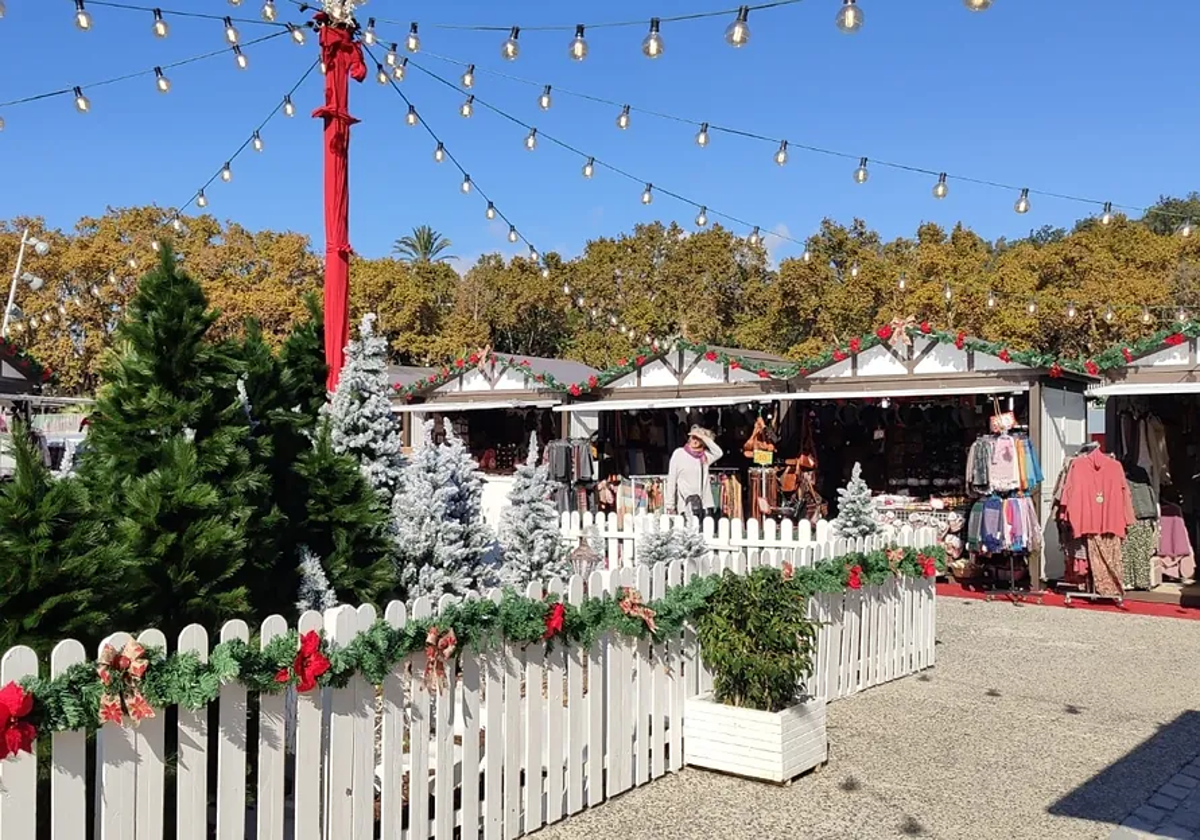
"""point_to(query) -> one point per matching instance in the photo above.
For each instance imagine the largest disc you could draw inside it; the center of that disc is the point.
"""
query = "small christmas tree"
(686, 544)
(363, 422)
(315, 591)
(856, 514)
(443, 544)
(529, 530)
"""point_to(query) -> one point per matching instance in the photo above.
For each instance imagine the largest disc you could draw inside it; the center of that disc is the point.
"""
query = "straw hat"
(703, 434)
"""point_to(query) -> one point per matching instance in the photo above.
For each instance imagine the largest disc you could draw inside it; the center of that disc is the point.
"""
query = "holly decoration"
(22, 361)
(16, 733)
(1056, 371)
(1091, 367)
(1004, 356)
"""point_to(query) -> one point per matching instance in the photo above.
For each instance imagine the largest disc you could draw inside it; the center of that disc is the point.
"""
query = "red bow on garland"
(631, 604)
(16, 735)
(854, 581)
(121, 671)
(928, 565)
(789, 571)
(554, 620)
(309, 664)
(439, 647)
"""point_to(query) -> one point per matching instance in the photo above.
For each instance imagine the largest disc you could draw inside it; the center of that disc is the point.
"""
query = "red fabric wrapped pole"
(343, 60)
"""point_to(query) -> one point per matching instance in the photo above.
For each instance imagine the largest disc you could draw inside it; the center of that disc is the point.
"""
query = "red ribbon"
(439, 647)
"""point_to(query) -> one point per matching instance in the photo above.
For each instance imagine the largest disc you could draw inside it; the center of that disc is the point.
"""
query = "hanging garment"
(993, 525)
(1104, 558)
(975, 528)
(1096, 497)
(1033, 469)
(1003, 466)
(1137, 554)
(1142, 492)
(1173, 540)
(1152, 455)
(1181, 567)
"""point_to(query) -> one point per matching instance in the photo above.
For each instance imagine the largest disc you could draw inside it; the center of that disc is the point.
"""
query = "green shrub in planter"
(756, 640)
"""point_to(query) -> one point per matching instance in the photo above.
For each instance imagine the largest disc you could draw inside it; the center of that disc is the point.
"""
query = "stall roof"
(1167, 362)
(1142, 389)
(446, 406)
(486, 375)
(401, 375)
(668, 402)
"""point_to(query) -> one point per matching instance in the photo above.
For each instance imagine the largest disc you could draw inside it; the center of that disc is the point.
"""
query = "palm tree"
(425, 245)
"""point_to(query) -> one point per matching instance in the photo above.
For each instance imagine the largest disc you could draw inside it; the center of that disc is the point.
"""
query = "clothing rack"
(1085, 588)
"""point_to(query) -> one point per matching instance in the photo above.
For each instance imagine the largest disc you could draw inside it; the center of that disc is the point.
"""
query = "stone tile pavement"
(1172, 812)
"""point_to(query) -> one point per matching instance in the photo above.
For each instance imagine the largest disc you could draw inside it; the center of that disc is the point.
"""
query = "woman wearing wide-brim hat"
(687, 477)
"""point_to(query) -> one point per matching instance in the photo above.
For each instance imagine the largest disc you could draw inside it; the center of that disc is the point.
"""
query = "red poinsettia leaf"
(764, 374)
(711, 356)
(459, 363)
(283, 675)
(19, 737)
(593, 381)
(15, 700)
(641, 360)
(884, 332)
(554, 620)
(926, 327)
(735, 364)
(855, 345)
(310, 643)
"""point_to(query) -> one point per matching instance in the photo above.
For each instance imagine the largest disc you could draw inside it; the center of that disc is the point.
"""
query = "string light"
(1146, 316)
(578, 49)
(369, 37)
(466, 184)
(226, 172)
(1022, 205)
(468, 76)
(652, 46)
(531, 139)
(177, 223)
(702, 135)
(468, 107)
(1185, 229)
(381, 75)
(83, 19)
(160, 28)
(534, 256)
(940, 189)
(861, 174)
(902, 282)
(648, 194)
(298, 37)
(589, 168)
(849, 18)
(390, 58)
(510, 49)
(512, 235)
(1106, 217)
(160, 81)
(755, 237)
(947, 293)
(702, 217)
(490, 213)
(240, 58)
(257, 142)
(623, 119)
(854, 270)
(806, 255)
(413, 42)
(1181, 315)
(201, 198)
(1109, 314)
(1072, 311)
(82, 103)
(544, 99)
(400, 69)
(268, 11)
(289, 110)
(978, 5)
(1031, 307)
(738, 33)
(231, 33)
(411, 116)
(991, 298)
(781, 154)
(566, 287)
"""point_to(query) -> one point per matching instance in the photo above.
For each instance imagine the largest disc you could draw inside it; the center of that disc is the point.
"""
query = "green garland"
(71, 700)
(22, 361)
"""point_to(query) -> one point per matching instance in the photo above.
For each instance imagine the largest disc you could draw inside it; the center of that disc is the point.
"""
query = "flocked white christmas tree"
(529, 530)
(443, 544)
(685, 544)
(315, 591)
(362, 422)
(856, 514)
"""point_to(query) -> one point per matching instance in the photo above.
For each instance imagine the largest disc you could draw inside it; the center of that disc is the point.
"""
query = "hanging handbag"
(1001, 421)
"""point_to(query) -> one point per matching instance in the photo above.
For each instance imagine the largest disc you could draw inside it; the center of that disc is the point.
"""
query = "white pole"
(12, 289)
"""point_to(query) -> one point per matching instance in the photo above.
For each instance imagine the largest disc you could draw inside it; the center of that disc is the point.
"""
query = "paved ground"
(1037, 723)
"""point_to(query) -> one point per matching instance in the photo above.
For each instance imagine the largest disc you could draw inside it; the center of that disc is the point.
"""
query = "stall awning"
(1140, 389)
(669, 402)
(467, 405)
(900, 392)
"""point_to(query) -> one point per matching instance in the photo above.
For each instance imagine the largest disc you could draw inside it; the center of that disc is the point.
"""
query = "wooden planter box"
(774, 746)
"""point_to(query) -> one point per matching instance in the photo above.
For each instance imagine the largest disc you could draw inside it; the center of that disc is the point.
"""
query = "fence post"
(18, 774)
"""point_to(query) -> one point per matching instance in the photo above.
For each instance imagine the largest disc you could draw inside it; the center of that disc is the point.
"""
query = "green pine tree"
(59, 575)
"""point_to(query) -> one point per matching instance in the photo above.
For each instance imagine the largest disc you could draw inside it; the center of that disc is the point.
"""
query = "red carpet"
(952, 589)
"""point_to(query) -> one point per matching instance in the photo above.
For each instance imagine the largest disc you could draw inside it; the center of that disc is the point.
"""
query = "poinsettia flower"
(139, 709)
(1004, 356)
(110, 710)
(839, 356)
(884, 332)
(16, 735)
(432, 378)
(640, 360)
(734, 364)
(763, 373)
(711, 356)
(1174, 339)
(459, 363)
(622, 362)
(473, 358)
(1056, 371)
(593, 381)
(1127, 354)
(960, 340)
(855, 345)
(926, 327)
(1091, 367)
(575, 390)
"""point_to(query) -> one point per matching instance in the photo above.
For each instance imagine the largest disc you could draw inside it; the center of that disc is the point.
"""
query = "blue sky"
(1087, 99)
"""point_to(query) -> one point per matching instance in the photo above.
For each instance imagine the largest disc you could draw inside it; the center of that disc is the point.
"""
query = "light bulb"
(411, 116)
(298, 37)
(578, 49)
(566, 288)
(1072, 311)
(439, 154)
(738, 33)
(381, 75)
(702, 135)
(648, 194)
(268, 11)
(1185, 229)
(201, 199)
(155, 245)
(235, 2)
(160, 81)
(854, 270)
(612, 319)
(1109, 314)
(468, 76)
(510, 49)
(1146, 316)
(544, 99)
(239, 58)
(594, 311)
(289, 110)
(512, 234)
(531, 139)
(807, 255)
(861, 174)
(1031, 307)
(940, 189)
(781, 154)
(991, 299)
(534, 256)
(62, 309)
(1, 123)
(82, 103)
(589, 168)
(83, 20)
(1106, 217)
(226, 173)
(257, 142)
(177, 223)
(702, 217)
(323, 68)
(468, 107)
(413, 42)
(400, 69)
(652, 46)
(466, 184)
(1181, 315)
(849, 18)
(390, 58)
(977, 5)
(160, 28)
(902, 283)
(369, 34)
(623, 119)
(624, 329)
(1022, 205)
(755, 236)
(231, 33)
(491, 211)
(948, 293)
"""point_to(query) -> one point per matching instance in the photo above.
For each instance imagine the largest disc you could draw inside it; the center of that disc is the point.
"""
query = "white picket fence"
(492, 757)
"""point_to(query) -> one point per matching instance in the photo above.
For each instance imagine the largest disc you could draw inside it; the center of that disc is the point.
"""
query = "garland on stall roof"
(1125, 354)
(130, 684)
(22, 361)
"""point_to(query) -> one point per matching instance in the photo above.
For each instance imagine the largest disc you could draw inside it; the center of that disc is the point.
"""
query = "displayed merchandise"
(1174, 555)
(1094, 510)
(572, 466)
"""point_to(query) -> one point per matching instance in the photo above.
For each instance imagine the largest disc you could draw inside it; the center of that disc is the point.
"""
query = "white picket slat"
(68, 763)
(18, 775)
(116, 762)
(418, 738)
(309, 748)
(391, 802)
(272, 735)
(364, 738)
(494, 743)
(231, 749)
(150, 745)
(534, 725)
(576, 710)
(555, 741)
(444, 732)
(643, 696)
(597, 677)
(471, 726)
(191, 772)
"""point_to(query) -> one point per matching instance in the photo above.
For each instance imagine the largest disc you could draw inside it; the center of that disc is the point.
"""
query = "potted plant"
(758, 644)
